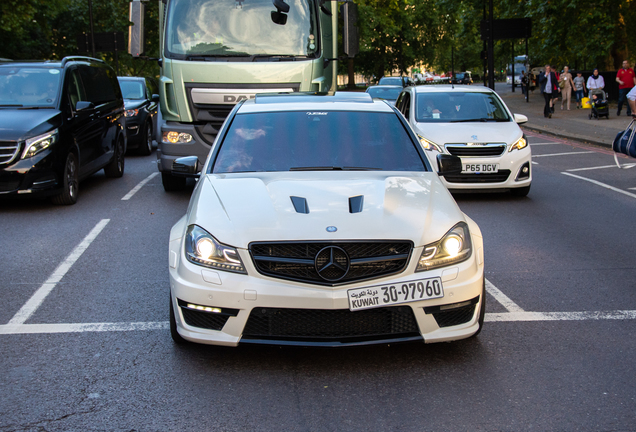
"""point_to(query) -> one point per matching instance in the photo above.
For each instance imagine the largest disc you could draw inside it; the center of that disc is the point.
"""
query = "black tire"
(520, 192)
(176, 337)
(145, 147)
(115, 167)
(70, 182)
(172, 183)
(482, 311)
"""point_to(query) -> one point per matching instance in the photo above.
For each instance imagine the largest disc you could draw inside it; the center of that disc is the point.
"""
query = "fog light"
(524, 172)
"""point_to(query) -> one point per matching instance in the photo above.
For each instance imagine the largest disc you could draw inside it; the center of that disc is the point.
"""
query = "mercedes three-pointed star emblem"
(332, 263)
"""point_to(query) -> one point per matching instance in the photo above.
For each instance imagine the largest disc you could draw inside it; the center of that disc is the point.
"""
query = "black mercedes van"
(60, 122)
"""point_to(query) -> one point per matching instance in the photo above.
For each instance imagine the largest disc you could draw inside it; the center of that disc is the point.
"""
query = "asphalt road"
(84, 341)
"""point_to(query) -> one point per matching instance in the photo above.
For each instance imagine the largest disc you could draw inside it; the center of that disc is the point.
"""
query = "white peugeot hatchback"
(473, 123)
(318, 220)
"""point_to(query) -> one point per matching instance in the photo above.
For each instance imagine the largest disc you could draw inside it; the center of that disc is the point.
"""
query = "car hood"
(239, 209)
(488, 132)
(21, 124)
(133, 103)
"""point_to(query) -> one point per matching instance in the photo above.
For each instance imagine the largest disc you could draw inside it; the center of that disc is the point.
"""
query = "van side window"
(99, 88)
(74, 89)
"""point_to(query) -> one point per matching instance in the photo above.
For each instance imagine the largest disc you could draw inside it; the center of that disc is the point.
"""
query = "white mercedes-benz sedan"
(319, 220)
(471, 122)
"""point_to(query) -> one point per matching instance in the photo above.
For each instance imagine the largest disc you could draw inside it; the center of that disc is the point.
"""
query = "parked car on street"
(141, 99)
(386, 92)
(60, 122)
(399, 81)
(474, 124)
(319, 220)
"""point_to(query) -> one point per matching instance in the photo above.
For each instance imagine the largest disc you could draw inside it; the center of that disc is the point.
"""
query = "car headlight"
(39, 143)
(177, 137)
(204, 250)
(453, 248)
(520, 144)
(131, 112)
(429, 145)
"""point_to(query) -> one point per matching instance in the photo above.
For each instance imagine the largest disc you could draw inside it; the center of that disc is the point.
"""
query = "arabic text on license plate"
(481, 168)
(390, 294)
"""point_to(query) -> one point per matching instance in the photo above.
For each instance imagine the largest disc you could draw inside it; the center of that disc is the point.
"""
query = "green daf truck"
(215, 53)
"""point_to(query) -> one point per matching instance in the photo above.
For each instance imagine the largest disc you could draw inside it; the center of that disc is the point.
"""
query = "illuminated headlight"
(37, 144)
(177, 137)
(204, 250)
(453, 248)
(131, 112)
(429, 145)
(521, 144)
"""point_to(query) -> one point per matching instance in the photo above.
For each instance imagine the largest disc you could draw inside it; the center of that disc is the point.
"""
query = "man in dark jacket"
(549, 88)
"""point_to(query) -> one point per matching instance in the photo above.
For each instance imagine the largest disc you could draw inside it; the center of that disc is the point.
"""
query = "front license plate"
(480, 168)
(390, 294)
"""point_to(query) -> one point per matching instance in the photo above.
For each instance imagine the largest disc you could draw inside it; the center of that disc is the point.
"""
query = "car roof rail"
(81, 58)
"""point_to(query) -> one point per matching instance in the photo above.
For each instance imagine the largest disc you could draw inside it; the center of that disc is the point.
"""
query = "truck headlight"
(429, 145)
(39, 143)
(453, 248)
(177, 137)
(520, 144)
(203, 249)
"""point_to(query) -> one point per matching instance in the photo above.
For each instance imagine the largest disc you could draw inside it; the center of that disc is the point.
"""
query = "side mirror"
(136, 30)
(279, 18)
(84, 106)
(448, 164)
(186, 167)
(520, 119)
(350, 29)
(155, 98)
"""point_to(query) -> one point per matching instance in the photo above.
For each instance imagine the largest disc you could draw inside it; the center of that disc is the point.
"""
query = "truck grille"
(8, 151)
(476, 151)
(310, 261)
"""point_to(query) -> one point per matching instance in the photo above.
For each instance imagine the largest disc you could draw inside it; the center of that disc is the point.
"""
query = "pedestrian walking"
(595, 83)
(566, 84)
(626, 80)
(548, 82)
(579, 88)
(555, 95)
(524, 83)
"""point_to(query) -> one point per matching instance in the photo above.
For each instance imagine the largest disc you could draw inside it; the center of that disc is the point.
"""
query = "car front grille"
(309, 261)
(476, 151)
(320, 325)
(498, 177)
(8, 151)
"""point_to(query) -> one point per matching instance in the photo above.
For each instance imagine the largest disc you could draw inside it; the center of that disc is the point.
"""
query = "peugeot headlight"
(131, 112)
(177, 137)
(453, 248)
(204, 250)
(520, 144)
(429, 145)
(39, 143)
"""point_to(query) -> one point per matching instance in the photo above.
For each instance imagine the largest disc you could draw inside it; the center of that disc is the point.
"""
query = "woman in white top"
(595, 83)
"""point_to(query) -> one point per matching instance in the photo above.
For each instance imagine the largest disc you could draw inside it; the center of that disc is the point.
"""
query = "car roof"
(340, 101)
(54, 63)
(448, 88)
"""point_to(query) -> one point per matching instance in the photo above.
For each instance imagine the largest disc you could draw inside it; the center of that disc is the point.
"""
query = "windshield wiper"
(35, 107)
(483, 120)
(334, 168)
(11, 105)
(279, 57)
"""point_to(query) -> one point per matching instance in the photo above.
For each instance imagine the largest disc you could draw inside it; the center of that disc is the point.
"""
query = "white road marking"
(561, 316)
(535, 163)
(592, 168)
(562, 154)
(139, 186)
(631, 188)
(601, 184)
(502, 298)
(38, 297)
(81, 328)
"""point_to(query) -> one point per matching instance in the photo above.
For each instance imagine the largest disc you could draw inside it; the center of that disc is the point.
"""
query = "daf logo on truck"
(226, 96)
(237, 99)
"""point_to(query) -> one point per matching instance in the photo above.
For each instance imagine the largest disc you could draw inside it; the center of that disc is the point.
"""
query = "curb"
(573, 137)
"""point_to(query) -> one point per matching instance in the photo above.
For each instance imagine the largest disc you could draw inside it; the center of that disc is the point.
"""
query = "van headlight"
(203, 249)
(39, 143)
(453, 248)
(429, 145)
(520, 144)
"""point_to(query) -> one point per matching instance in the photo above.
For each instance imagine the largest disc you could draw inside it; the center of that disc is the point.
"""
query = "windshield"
(240, 28)
(29, 86)
(317, 141)
(438, 107)
(390, 81)
(132, 89)
(384, 92)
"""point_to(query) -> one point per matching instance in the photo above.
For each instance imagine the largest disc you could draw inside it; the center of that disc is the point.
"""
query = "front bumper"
(39, 175)
(168, 152)
(235, 297)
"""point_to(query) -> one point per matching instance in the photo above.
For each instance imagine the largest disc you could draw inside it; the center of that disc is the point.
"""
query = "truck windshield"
(29, 86)
(239, 28)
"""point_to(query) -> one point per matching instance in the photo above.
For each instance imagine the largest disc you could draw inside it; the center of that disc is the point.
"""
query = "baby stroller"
(600, 106)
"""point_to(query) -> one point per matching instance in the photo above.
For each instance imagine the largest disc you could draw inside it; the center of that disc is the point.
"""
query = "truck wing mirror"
(350, 29)
(136, 30)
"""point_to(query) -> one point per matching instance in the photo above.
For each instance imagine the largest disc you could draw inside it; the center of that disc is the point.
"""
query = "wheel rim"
(149, 138)
(120, 156)
(71, 177)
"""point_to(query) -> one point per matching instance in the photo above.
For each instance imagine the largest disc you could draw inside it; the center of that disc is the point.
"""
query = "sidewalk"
(573, 124)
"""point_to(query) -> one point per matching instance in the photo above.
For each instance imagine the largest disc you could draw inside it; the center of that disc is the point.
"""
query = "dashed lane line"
(38, 297)
(562, 154)
(139, 186)
(615, 189)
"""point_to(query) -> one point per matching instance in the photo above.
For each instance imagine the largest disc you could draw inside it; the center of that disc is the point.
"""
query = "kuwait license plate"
(390, 294)
(480, 168)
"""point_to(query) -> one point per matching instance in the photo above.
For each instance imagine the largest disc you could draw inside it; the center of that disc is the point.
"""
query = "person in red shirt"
(626, 80)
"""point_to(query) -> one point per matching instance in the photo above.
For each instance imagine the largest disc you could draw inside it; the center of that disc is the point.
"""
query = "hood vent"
(355, 204)
(300, 204)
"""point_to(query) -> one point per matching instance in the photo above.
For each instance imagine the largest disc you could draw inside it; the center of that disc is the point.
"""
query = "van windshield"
(29, 86)
(240, 28)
